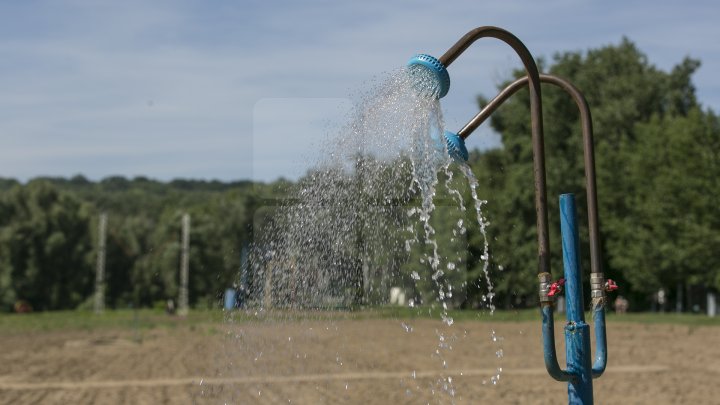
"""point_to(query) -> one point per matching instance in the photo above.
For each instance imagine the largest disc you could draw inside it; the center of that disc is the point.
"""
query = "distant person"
(621, 305)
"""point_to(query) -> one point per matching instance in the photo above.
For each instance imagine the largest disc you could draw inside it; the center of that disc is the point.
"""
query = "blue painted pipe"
(577, 332)
(548, 336)
(600, 341)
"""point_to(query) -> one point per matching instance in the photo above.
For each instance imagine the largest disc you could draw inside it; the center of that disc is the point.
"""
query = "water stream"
(380, 213)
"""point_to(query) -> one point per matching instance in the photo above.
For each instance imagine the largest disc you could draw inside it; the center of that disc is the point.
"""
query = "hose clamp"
(544, 288)
(597, 285)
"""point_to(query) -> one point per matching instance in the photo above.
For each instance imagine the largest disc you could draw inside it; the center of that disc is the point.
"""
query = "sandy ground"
(326, 361)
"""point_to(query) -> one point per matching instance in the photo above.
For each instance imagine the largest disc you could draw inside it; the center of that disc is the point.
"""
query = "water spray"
(433, 76)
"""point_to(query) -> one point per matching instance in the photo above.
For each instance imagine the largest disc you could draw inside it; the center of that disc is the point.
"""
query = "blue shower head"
(456, 146)
(431, 74)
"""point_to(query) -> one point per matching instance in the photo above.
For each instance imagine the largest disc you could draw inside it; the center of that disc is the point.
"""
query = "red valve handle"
(556, 287)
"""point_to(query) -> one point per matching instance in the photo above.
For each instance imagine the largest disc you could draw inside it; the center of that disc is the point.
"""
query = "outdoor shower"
(580, 368)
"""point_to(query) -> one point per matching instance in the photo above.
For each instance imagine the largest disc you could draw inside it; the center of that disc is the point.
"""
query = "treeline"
(48, 238)
(658, 166)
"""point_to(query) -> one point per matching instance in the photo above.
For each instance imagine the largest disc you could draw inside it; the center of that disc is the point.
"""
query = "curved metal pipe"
(588, 150)
(549, 352)
(598, 367)
(597, 279)
(537, 128)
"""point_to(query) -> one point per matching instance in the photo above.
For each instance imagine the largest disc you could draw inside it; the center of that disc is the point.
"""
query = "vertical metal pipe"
(100, 265)
(597, 279)
(577, 332)
(571, 256)
(184, 266)
(538, 142)
(600, 362)
(588, 149)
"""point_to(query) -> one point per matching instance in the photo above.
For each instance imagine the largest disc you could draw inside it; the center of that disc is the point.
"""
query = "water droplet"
(388, 140)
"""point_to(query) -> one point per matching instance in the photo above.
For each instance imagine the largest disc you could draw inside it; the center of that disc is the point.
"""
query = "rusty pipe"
(537, 129)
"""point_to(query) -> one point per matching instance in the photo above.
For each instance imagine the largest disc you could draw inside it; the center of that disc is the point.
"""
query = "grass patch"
(665, 318)
(111, 319)
(204, 320)
(457, 315)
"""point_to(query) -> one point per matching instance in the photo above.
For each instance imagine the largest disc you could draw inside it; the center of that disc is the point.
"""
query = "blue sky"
(246, 89)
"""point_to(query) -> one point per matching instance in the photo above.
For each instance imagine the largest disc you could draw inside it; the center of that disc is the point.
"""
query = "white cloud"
(170, 87)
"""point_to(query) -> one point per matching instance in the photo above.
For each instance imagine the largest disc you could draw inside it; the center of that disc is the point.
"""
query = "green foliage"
(48, 239)
(671, 233)
(657, 167)
(44, 247)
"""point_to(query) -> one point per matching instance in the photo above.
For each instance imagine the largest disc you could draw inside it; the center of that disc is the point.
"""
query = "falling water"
(483, 224)
(487, 298)
(352, 225)
(345, 219)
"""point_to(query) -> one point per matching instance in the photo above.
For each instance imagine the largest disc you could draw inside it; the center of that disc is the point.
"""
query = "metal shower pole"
(580, 370)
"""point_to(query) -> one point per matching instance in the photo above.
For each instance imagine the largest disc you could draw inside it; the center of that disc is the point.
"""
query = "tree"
(626, 94)
(671, 233)
(45, 249)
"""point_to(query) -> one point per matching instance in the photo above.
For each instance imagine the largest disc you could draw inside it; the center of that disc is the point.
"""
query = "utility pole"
(100, 266)
(267, 290)
(184, 266)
